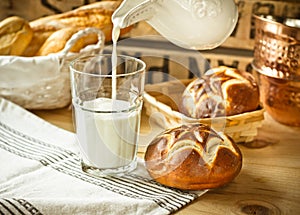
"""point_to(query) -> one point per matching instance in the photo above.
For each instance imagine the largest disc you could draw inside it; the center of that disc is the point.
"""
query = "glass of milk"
(107, 103)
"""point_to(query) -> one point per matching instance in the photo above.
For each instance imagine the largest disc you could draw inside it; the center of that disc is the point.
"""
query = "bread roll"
(96, 14)
(57, 41)
(15, 35)
(40, 34)
(222, 91)
(193, 157)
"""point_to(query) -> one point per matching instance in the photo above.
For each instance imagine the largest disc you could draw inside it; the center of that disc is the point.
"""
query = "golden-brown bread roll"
(193, 157)
(57, 41)
(222, 91)
(15, 35)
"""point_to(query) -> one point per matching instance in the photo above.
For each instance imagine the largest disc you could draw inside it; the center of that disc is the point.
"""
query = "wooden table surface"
(269, 182)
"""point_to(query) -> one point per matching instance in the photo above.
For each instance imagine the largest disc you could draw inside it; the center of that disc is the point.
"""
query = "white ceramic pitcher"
(191, 24)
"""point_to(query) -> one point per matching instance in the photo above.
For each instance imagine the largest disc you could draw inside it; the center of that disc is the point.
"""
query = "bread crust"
(57, 41)
(96, 15)
(40, 35)
(224, 91)
(15, 35)
(193, 157)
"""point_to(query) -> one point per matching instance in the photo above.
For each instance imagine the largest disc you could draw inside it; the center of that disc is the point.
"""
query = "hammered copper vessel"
(277, 62)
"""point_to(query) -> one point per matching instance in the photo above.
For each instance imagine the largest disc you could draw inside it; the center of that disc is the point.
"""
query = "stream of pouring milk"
(115, 37)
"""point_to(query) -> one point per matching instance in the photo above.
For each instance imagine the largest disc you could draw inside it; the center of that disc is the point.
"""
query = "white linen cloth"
(40, 173)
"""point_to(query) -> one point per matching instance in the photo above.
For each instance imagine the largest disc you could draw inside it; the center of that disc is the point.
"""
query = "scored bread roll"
(222, 91)
(15, 35)
(57, 41)
(193, 157)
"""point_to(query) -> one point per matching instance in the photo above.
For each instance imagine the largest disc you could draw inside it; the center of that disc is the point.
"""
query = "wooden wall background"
(32, 9)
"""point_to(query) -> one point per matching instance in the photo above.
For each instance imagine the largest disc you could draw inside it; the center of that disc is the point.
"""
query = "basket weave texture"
(161, 103)
(53, 91)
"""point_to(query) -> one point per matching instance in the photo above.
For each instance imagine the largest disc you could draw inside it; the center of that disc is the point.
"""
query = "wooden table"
(269, 182)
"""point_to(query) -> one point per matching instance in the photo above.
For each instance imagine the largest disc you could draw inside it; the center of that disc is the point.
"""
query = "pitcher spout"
(133, 11)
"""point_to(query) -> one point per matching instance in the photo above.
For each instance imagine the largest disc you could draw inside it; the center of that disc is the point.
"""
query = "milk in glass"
(108, 140)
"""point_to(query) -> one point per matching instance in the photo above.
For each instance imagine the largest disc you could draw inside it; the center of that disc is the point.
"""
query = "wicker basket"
(161, 103)
(38, 89)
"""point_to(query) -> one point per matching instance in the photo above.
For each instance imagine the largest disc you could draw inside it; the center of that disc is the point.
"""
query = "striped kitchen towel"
(40, 173)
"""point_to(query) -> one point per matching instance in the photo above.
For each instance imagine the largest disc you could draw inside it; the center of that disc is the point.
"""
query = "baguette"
(57, 41)
(40, 34)
(96, 14)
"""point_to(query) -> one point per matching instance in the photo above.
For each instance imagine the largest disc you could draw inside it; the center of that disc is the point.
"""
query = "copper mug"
(277, 63)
